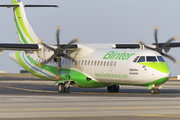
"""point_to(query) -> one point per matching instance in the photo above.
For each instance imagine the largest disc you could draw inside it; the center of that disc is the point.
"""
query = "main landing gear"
(63, 87)
(113, 88)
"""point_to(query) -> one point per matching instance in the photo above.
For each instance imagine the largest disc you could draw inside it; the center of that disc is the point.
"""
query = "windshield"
(136, 59)
(151, 59)
(141, 59)
(160, 58)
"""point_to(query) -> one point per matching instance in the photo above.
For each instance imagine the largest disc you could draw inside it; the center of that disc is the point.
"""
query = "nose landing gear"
(156, 89)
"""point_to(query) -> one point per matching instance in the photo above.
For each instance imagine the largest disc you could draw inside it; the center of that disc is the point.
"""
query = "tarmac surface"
(31, 98)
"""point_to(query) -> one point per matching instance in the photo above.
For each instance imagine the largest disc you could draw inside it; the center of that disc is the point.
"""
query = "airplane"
(89, 65)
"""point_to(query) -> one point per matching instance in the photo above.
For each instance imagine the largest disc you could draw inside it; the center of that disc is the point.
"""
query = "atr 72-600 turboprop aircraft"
(88, 65)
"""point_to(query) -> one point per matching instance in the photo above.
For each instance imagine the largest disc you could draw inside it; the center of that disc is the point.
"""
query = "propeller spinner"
(59, 52)
(159, 49)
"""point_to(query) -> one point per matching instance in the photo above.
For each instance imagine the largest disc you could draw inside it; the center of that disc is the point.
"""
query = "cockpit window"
(160, 58)
(151, 59)
(141, 59)
(136, 59)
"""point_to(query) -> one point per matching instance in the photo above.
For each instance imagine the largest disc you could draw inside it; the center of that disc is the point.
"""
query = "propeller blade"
(57, 35)
(59, 65)
(167, 43)
(59, 68)
(170, 57)
(155, 34)
(68, 57)
(70, 43)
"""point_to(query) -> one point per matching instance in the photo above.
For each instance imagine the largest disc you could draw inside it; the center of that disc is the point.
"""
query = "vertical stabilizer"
(25, 34)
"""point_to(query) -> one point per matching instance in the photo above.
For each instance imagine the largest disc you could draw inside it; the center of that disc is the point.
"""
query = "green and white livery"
(99, 65)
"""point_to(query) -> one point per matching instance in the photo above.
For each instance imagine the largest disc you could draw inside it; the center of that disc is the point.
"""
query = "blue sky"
(96, 21)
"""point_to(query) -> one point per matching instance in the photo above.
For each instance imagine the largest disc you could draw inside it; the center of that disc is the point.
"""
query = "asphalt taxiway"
(27, 97)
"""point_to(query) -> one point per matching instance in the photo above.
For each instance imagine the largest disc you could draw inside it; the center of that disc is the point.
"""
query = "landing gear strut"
(113, 88)
(63, 87)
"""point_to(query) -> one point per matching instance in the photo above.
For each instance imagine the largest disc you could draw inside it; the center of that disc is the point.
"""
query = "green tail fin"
(25, 34)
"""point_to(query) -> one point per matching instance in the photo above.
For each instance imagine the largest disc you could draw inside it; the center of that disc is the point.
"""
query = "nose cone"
(160, 71)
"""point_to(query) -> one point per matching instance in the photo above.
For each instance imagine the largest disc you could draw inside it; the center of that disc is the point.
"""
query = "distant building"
(2, 71)
(24, 71)
(178, 77)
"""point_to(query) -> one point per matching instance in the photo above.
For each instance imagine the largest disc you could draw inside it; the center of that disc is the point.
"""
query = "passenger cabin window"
(135, 60)
(104, 63)
(98, 63)
(141, 59)
(88, 62)
(114, 63)
(85, 62)
(92, 63)
(160, 58)
(82, 62)
(151, 59)
(63, 61)
(101, 63)
(108, 63)
(111, 63)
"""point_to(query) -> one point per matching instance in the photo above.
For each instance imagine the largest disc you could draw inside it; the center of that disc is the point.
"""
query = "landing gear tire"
(116, 88)
(155, 91)
(61, 88)
(113, 88)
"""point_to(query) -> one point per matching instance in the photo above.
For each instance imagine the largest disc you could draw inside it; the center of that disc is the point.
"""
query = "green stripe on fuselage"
(19, 58)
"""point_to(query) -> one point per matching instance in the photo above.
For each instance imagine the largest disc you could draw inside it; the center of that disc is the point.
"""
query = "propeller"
(59, 52)
(160, 48)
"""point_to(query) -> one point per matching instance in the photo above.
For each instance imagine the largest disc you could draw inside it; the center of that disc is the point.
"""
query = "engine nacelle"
(45, 53)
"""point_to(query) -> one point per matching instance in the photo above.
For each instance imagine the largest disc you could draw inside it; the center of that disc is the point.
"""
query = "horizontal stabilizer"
(9, 6)
(41, 6)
